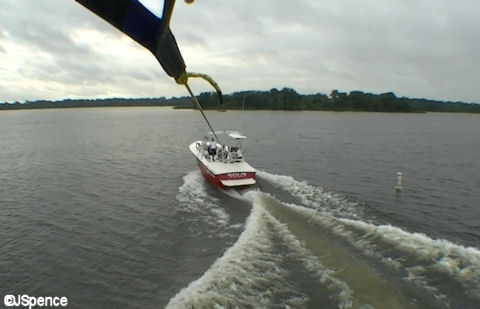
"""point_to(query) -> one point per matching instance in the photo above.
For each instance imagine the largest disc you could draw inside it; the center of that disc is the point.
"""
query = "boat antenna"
(183, 80)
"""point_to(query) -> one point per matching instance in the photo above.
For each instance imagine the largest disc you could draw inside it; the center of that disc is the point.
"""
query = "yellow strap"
(208, 79)
(183, 80)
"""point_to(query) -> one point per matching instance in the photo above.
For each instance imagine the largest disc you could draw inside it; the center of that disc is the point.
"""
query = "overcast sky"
(55, 49)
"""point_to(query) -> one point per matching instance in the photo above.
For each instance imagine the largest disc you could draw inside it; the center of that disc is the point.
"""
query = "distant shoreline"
(286, 99)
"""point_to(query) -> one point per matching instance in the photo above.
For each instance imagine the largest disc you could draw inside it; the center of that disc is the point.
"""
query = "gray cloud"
(2, 36)
(413, 48)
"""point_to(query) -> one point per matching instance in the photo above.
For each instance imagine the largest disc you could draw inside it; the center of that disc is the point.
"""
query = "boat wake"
(200, 209)
(319, 251)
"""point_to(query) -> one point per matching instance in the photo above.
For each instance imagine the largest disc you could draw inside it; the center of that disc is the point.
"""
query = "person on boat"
(212, 149)
(225, 153)
(220, 154)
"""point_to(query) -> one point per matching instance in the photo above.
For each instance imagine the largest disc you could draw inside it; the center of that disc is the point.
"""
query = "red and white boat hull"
(235, 179)
(223, 174)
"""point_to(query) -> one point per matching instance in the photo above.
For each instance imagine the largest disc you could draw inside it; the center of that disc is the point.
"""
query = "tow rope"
(183, 80)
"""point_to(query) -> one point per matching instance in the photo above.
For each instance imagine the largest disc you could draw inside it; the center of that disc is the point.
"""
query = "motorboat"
(223, 164)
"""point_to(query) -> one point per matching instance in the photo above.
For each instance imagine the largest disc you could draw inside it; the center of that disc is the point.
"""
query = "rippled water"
(107, 208)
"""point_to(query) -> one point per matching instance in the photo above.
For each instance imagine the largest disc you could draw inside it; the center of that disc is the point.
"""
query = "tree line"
(274, 99)
(289, 99)
(67, 103)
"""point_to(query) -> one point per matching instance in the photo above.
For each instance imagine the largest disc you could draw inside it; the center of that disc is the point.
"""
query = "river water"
(106, 207)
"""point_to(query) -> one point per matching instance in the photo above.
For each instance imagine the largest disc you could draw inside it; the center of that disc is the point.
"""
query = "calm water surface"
(106, 207)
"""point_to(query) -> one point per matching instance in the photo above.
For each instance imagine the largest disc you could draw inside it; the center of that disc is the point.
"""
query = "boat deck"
(225, 165)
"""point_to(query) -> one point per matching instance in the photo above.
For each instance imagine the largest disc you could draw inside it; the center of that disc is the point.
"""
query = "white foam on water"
(369, 247)
(441, 256)
(247, 195)
(438, 255)
(461, 263)
(323, 274)
(415, 275)
(245, 275)
(193, 198)
(237, 226)
(311, 196)
(249, 274)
